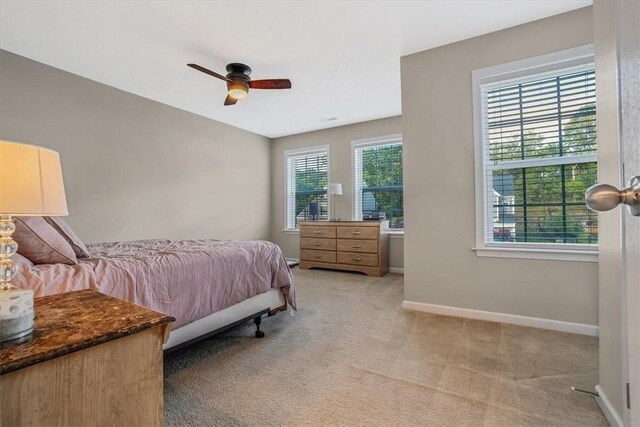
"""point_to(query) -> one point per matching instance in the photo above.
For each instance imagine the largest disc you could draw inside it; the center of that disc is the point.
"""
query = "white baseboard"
(607, 408)
(514, 319)
(396, 270)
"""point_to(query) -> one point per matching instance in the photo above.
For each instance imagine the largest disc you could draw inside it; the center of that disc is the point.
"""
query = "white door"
(628, 57)
(629, 63)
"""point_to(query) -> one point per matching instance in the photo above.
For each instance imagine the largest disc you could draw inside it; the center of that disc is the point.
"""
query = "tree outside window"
(379, 181)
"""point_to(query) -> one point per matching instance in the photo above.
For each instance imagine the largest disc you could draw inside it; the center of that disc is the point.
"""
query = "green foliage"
(311, 186)
(541, 191)
(579, 134)
(382, 173)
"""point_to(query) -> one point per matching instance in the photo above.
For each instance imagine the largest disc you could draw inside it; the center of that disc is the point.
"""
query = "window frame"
(356, 202)
(508, 73)
(299, 152)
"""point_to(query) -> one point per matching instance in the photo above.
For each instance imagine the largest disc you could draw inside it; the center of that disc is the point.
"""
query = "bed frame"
(269, 303)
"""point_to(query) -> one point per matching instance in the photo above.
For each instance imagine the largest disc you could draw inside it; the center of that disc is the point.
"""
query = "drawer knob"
(317, 231)
(317, 256)
(356, 259)
(356, 246)
(317, 243)
(355, 232)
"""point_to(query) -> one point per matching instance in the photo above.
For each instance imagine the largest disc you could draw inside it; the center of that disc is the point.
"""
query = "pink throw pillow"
(72, 238)
(21, 262)
(40, 243)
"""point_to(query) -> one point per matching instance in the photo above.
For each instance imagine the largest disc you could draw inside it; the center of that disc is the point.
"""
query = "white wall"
(440, 267)
(135, 168)
(339, 139)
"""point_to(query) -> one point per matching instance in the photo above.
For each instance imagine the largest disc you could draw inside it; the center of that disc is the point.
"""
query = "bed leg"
(258, 321)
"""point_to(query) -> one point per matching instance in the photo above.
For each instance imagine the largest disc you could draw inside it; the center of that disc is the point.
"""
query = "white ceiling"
(342, 57)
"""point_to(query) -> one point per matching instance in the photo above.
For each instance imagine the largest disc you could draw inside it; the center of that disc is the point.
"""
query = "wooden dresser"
(345, 245)
(92, 360)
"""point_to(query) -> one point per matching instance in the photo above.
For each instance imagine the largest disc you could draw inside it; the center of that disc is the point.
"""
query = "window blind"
(378, 181)
(307, 178)
(539, 155)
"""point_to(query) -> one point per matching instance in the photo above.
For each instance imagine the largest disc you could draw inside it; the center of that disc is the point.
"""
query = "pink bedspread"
(187, 279)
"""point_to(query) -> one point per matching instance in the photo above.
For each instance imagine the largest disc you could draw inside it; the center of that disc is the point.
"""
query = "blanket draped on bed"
(186, 279)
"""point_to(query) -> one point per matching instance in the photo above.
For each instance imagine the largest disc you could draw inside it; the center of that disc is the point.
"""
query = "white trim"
(543, 254)
(512, 72)
(316, 149)
(396, 270)
(515, 70)
(396, 234)
(291, 231)
(378, 140)
(607, 408)
(513, 319)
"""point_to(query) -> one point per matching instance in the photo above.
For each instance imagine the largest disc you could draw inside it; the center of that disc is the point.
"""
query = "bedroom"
(148, 151)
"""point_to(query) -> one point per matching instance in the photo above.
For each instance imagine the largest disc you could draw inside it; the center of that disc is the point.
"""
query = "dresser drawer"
(319, 256)
(317, 231)
(352, 245)
(370, 260)
(357, 232)
(322, 244)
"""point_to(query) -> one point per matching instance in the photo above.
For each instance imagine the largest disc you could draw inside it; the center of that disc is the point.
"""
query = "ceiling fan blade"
(270, 84)
(229, 100)
(211, 73)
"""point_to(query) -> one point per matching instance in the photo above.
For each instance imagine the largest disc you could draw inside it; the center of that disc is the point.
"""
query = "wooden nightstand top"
(73, 321)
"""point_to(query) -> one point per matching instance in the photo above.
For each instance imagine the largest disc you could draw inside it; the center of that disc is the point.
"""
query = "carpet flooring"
(351, 356)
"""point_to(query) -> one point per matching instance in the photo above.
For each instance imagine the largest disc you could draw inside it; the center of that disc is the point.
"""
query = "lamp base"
(16, 313)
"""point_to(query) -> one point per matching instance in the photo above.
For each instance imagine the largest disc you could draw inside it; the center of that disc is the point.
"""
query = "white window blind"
(539, 157)
(378, 179)
(306, 181)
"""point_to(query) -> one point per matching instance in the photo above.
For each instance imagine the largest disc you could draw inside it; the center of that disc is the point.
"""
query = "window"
(536, 153)
(377, 166)
(306, 181)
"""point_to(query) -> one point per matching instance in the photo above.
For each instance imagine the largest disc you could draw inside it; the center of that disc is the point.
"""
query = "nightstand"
(92, 360)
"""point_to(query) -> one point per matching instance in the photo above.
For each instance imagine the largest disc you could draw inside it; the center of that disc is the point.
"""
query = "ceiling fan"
(239, 82)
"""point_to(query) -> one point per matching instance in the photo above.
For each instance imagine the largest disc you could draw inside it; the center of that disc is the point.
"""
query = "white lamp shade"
(30, 181)
(334, 189)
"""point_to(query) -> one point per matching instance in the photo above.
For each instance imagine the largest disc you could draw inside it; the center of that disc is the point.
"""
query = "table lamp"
(334, 190)
(30, 185)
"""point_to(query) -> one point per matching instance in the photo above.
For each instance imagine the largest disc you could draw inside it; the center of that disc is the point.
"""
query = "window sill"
(291, 231)
(542, 254)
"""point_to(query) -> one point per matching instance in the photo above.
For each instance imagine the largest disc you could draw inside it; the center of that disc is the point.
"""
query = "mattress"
(187, 279)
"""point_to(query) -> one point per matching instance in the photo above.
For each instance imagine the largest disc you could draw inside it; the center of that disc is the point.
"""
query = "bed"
(207, 285)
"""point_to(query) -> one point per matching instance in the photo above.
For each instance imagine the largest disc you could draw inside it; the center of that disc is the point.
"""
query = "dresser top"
(74, 321)
(347, 223)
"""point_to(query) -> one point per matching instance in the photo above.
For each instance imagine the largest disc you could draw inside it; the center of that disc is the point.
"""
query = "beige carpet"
(352, 356)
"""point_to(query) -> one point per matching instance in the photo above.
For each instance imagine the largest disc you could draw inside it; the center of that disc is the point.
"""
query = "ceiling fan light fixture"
(237, 90)
(239, 82)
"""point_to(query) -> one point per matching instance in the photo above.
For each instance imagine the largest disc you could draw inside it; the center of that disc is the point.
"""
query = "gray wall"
(339, 139)
(610, 223)
(440, 267)
(135, 168)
